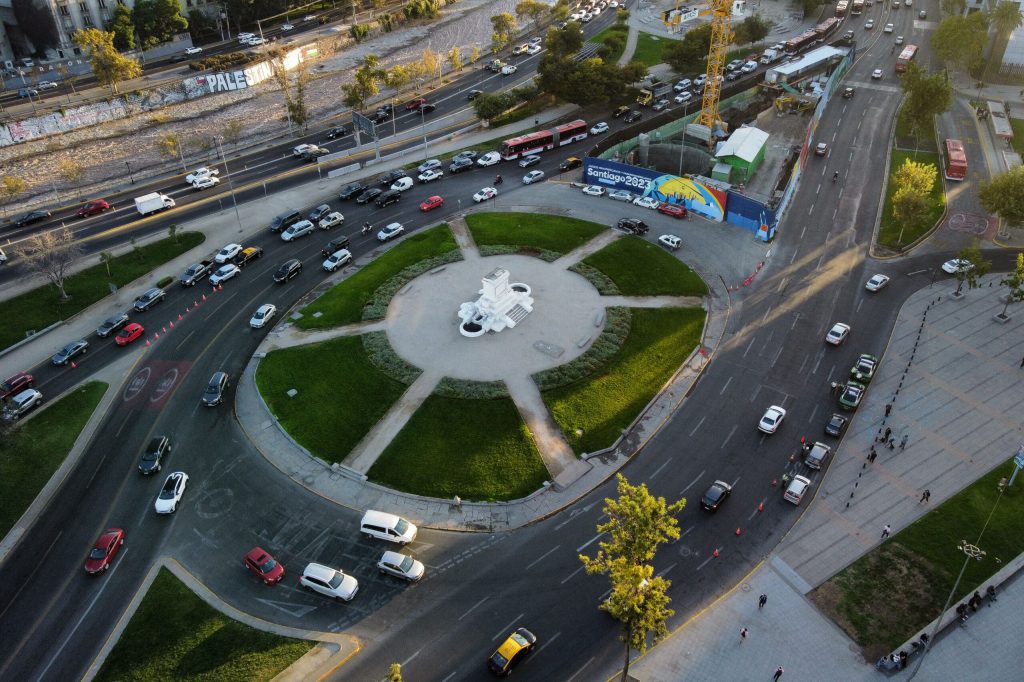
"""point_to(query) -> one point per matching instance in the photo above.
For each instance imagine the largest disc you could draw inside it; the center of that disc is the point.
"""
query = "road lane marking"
(727, 438)
(541, 557)
(550, 640)
(508, 627)
(570, 576)
(693, 482)
(725, 386)
(406, 661)
(580, 670)
(588, 542)
(658, 470)
(473, 607)
(696, 427)
(39, 564)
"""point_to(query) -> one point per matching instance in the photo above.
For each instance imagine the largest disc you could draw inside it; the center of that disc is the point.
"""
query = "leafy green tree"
(970, 275)
(531, 9)
(563, 44)
(687, 55)
(561, 11)
(108, 65)
(1004, 196)
(386, 21)
(359, 32)
(913, 183)
(504, 26)
(246, 12)
(430, 63)
(233, 132)
(365, 83)
(639, 601)
(621, 16)
(200, 25)
(751, 30)
(1014, 283)
(489, 105)
(422, 9)
(960, 41)
(1005, 18)
(474, 54)
(172, 232)
(158, 21)
(926, 97)
(122, 27)
(168, 145)
(953, 7)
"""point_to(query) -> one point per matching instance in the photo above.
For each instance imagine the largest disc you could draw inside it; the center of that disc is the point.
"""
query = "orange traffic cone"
(148, 343)
(73, 365)
(715, 554)
(179, 315)
(760, 507)
(738, 531)
(171, 324)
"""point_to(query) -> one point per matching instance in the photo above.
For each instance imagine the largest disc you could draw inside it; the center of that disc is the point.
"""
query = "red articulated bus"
(543, 140)
(954, 160)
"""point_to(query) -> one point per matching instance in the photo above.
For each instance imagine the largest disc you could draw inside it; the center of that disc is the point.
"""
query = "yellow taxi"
(511, 651)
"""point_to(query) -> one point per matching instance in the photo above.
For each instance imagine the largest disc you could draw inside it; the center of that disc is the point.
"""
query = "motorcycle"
(367, 228)
(497, 180)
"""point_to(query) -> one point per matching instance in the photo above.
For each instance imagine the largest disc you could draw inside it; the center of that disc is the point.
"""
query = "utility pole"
(231, 184)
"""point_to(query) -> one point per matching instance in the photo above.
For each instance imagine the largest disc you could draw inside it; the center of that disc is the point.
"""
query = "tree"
(474, 54)
(386, 21)
(12, 186)
(359, 32)
(422, 9)
(503, 25)
(927, 97)
(108, 65)
(640, 602)
(430, 62)
(1014, 283)
(970, 275)
(200, 25)
(232, 132)
(65, 75)
(960, 41)
(34, 19)
(751, 30)
(1004, 196)
(106, 258)
(295, 105)
(563, 44)
(913, 184)
(532, 9)
(455, 58)
(688, 54)
(122, 27)
(1005, 19)
(488, 105)
(953, 7)
(158, 21)
(395, 673)
(168, 145)
(172, 232)
(365, 83)
(51, 254)
(73, 173)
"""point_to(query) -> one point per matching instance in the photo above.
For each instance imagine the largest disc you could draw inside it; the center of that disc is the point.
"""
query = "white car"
(530, 160)
(170, 495)
(430, 164)
(224, 273)
(888, 28)
(532, 177)
(287, 27)
(682, 97)
(508, 69)
(876, 74)
(489, 159)
(390, 231)
(254, 41)
(670, 241)
(400, 566)
(332, 219)
(227, 253)
(749, 67)
(599, 128)
(536, 40)
(337, 259)
(329, 581)
(485, 194)
(876, 282)
(534, 49)
(620, 195)
(302, 149)
(520, 49)
(402, 184)
(593, 190)
(299, 229)
(773, 416)
(265, 313)
(684, 84)
(309, 17)
(646, 202)
(838, 333)
(899, 40)
(952, 267)
(430, 176)
(193, 50)
(200, 173)
(242, 37)
(205, 183)
(869, 24)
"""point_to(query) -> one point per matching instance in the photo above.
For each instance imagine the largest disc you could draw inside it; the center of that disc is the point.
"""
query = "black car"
(290, 268)
(351, 191)
(473, 94)
(149, 299)
(569, 164)
(392, 196)
(248, 255)
(836, 425)
(70, 351)
(31, 217)
(285, 220)
(733, 75)
(633, 116)
(459, 165)
(391, 177)
(632, 226)
(369, 195)
(380, 117)
(111, 325)
(214, 393)
(427, 108)
(715, 495)
(319, 212)
(334, 245)
(335, 133)
(387, 108)
(155, 451)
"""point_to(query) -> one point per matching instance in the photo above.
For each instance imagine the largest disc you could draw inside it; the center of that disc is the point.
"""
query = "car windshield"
(406, 564)
(335, 582)
(713, 493)
(98, 553)
(268, 565)
(499, 661)
(402, 526)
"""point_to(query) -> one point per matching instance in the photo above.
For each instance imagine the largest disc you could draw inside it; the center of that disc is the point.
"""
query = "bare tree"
(51, 254)
(106, 258)
(73, 172)
(233, 132)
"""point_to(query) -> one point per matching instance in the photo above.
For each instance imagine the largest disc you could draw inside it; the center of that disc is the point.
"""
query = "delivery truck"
(152, 203)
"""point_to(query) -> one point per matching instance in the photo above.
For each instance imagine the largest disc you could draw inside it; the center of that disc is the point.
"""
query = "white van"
(384, 526)
(797, 487)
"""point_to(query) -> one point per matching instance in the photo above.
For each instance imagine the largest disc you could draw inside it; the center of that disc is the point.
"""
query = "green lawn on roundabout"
(531, 231)
(640, 268)
(175, 635)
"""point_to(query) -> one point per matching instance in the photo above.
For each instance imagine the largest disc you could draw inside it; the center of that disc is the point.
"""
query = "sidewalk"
(958, 338)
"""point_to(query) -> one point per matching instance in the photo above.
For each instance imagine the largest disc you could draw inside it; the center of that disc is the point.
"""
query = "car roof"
(320, 571)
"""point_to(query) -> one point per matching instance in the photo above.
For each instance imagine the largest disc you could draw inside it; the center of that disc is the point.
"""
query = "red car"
(131, 332)
(92, 208)
(431, 203)
(16, 384)
(264, 565)
(415, 104)
(104, 551)
(672, 210)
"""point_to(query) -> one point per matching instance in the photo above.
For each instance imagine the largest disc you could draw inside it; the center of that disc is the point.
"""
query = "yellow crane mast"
(721, 37)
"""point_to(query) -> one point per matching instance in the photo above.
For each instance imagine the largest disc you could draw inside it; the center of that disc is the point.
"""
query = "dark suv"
(149, 299)
(351, 190)
(285, 220)
(632, 226)
(633, 117)
(214, 393)
(334, 245)
(391, 177)
(290, 268)
(460, 164)
(155, 451)
(319, 212)
(392, 196)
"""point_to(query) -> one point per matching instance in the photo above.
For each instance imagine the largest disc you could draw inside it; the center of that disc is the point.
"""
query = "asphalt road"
(478, 587)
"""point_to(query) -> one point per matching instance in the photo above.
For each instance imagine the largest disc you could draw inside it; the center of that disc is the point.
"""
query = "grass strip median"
(344, 303)
(592, 413)
(529, 230)
(33, 450)
(480, 450)
(175, 635)
(892, 233)
(41, 307)
(640, 268)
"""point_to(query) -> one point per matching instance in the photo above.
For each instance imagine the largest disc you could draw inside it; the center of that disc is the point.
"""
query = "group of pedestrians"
(744, 632)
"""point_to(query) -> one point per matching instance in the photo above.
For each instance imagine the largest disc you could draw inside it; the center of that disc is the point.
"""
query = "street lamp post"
(423, 127)
(231, 184)
(130, 176)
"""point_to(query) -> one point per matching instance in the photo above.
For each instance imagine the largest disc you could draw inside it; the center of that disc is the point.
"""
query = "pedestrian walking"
(886, 531)
(778, 673)
(872, 455)
(888, 409)
(743, 635)
(888, 432)
(762, 600)
(925, 496)
(903, 442)
(892, 443)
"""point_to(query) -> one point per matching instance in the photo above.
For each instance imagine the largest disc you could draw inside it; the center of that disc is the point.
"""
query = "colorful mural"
(695, 194)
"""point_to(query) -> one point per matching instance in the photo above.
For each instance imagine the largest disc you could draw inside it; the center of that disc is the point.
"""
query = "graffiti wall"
(699, 195)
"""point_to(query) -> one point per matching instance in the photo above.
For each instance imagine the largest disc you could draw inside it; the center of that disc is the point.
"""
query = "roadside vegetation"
(175, 635)
(341, 395)
(649, 48)
(593, 413)
(924, 171)
(639, 268)
(531, 231)
(344, 303)
(31, 451)
(889, 594)
(41, 307)
(480, 450)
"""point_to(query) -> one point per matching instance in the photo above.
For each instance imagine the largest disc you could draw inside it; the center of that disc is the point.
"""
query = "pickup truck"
(195, 272)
